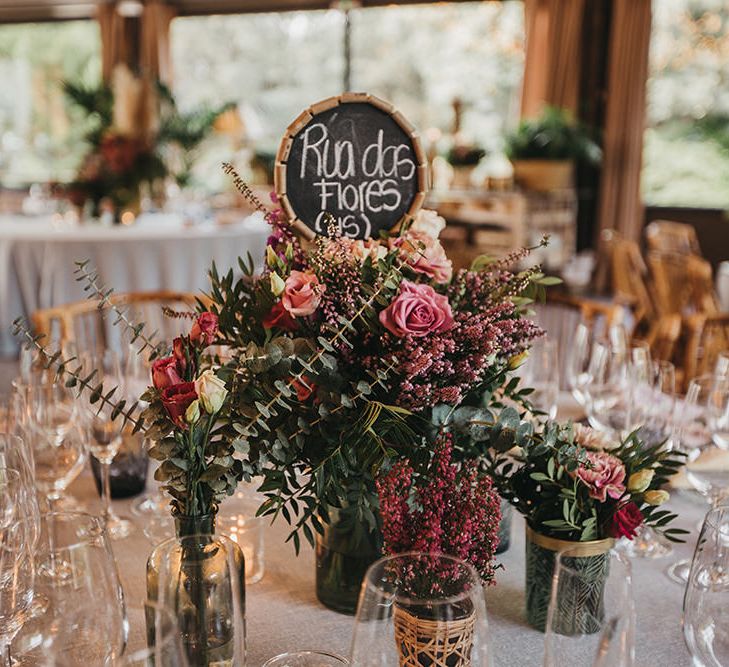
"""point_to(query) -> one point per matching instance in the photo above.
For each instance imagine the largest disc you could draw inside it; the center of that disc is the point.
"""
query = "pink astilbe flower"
(451, 510)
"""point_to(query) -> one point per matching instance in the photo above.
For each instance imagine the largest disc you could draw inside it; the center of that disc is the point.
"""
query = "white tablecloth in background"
(37, 259)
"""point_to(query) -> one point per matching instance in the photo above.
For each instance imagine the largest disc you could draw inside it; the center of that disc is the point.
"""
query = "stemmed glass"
(106, 434)
(418, 608)
(701, 438)
(706, 601)
(591, 616)
(11, 492)
(577, 365)
(541, 373)
(17, 577)
(50, 414)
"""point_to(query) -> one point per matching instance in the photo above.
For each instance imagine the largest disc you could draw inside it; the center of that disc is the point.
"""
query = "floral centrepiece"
(573, 491)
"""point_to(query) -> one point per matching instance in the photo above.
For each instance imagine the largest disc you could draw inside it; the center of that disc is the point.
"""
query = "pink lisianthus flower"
(604, 477)
(424, 254)
(302, 293)
(417, 311)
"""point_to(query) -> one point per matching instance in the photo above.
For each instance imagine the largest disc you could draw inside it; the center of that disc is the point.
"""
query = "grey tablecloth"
(283, 613)
(37, 260)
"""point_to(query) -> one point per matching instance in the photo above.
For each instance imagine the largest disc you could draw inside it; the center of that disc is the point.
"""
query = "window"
(686, 156)
(419, 57)
(40, 136)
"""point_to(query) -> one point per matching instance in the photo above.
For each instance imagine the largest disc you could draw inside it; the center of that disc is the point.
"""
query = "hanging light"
(129, 8)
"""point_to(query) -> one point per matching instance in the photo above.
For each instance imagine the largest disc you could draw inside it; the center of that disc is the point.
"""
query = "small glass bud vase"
(201, 577)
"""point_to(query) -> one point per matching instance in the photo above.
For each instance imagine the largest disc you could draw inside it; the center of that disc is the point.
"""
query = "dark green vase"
(342, 558)
(578, 611)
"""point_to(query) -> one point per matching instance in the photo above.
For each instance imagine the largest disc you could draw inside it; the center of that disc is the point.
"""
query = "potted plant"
(543, 151)
(577, 488)
(464, 159)
(447, 509)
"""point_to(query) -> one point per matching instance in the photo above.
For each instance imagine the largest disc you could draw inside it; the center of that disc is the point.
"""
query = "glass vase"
(343, 554)
(201, 577)
(588, 557)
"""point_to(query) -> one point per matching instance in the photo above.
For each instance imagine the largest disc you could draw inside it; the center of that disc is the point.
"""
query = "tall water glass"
(86, 619)
(591, 617)
(541, 373)
(421, 609)
(706, 601)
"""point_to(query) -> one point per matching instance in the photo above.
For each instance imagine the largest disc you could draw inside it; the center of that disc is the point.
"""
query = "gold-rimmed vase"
(541, 552)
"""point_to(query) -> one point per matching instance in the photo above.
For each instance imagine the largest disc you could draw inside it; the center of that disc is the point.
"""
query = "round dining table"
(157, 252)
(283, 614)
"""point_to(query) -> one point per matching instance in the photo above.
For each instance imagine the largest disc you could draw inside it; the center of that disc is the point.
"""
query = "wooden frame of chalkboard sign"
(398, 190)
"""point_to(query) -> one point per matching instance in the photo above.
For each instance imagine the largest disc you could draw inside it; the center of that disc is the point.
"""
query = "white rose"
(428, 222)
(211, 391)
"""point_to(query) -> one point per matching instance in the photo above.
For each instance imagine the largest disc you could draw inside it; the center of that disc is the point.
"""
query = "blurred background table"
(158, 252)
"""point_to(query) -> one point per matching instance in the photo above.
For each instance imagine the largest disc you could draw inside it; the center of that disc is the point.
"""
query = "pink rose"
(302, 293)
(605, 476)
(204, 329)
(164, 373)
(424, 254)
(417, 311)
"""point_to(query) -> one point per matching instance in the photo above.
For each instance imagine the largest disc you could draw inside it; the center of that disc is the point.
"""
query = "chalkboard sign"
(353, 156)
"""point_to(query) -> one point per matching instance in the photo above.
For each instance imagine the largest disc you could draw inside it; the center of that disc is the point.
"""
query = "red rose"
(303, 391)
(204, 329)
(179, 350)
(164, 373)
(177, 399)
(625, 521)
(281, 318)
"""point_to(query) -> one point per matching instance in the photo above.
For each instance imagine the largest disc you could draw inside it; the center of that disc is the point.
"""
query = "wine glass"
(86, 620)
(697, 438)
(106, 433)
(541, 373)
(11, 492)
(17, 577)
(577, 365)
(306, 659)
(417, 608)
(50, 413)
(591, 616)
(706, 601)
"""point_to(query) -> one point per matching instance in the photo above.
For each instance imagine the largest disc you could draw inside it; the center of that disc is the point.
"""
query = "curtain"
(113, 43)
(140, 43)
(553, 55)
(620, 207)
(155, 60)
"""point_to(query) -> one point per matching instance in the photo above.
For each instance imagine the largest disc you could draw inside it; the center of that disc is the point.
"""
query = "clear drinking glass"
(704, 469)
(706, 601)
(417, 608)
(11, 496)
(86, 620)
(17, 578)
(105, 433)
(591, 617)
(541, 373)
(307, 659)
(577, 365)
(50, 414)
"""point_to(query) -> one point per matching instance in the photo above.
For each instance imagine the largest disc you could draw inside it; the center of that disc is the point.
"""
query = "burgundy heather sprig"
(450, 509)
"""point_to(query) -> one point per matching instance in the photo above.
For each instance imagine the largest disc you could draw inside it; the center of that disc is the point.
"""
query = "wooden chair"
(672, 237)
(706, 337)
(87, 326)
(683, 284)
